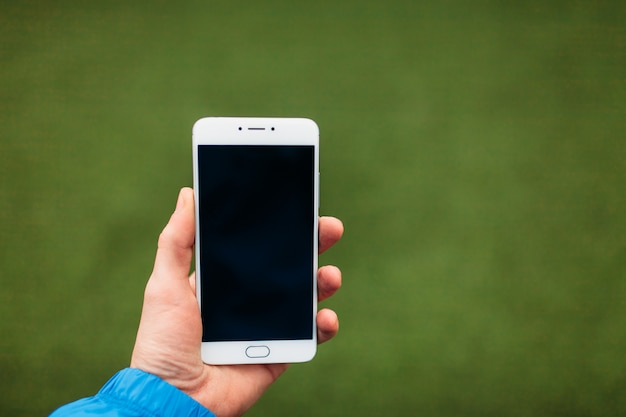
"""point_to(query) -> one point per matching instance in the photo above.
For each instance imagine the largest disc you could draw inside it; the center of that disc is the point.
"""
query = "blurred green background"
(475, 151)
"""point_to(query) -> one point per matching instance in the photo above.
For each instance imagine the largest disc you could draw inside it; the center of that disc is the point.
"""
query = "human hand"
(170, 330)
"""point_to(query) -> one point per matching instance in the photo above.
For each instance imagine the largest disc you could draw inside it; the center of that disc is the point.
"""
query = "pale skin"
(170, 330)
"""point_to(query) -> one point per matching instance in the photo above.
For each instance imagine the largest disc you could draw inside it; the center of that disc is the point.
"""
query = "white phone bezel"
(258, 131)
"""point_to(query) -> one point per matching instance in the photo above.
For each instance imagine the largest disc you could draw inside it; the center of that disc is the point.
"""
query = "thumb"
(175, 247)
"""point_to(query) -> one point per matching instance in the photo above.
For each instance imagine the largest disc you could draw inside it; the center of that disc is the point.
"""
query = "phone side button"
(257, 351)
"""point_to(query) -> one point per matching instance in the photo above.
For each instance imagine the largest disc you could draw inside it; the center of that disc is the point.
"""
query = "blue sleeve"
(134, 393)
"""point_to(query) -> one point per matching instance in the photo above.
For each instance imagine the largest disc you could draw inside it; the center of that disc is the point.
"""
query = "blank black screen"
(257, 217)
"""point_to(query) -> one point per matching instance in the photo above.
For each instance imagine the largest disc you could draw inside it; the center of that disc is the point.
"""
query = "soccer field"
(476, 152)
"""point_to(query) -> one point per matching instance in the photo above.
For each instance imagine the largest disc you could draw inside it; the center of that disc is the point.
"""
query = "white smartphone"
(256, 183)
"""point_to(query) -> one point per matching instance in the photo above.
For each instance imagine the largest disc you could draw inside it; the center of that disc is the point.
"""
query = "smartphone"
(256, 183)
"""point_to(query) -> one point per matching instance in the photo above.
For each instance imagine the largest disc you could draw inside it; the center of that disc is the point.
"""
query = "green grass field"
(476, 152)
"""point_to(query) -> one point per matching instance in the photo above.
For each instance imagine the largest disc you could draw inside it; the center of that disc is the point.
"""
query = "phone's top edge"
(252, 118)
(250, 121)
(227, 120)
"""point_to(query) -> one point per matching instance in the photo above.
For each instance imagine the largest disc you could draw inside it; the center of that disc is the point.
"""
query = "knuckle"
(165, 238)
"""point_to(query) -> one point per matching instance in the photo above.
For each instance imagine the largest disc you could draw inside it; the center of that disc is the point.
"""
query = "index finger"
(330, 231)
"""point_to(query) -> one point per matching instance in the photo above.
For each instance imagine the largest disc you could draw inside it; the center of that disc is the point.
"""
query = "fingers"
(327, 325)
(330, 231)
(175, 249)
(328, 281)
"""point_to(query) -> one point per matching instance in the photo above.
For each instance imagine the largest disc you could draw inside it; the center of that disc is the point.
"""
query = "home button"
(257, 351)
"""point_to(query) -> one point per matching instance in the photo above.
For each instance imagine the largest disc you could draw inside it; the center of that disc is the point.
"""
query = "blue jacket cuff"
(132, 392)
